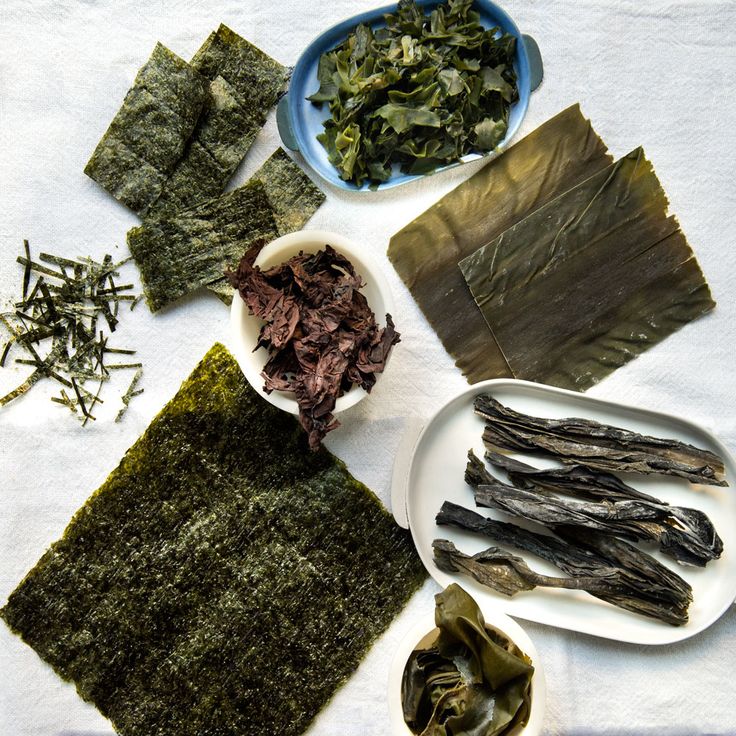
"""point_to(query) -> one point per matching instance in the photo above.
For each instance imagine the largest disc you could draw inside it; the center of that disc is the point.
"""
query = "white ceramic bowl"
(424, 632)
(244, 327)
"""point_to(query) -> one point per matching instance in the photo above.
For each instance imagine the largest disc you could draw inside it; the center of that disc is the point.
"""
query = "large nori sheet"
(590, 280)
(148, 134)
(223, 580)
(425, 254)
(244, 83)
(181, 252)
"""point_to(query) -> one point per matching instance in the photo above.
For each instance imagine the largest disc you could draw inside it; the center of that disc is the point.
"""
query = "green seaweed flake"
(223, 580)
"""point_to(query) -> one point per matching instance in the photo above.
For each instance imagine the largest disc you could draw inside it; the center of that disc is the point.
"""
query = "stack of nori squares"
(171, 150)
(552, 263)
(224, 579)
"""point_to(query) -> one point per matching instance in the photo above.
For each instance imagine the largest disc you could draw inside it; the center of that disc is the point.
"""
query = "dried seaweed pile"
(59, 324)
(223, 579)
(171, 150)
(594, 516)
(320, 332)
(552, 264)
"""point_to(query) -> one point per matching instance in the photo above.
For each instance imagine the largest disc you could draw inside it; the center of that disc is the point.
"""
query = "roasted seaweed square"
(181, 252)
(224, 579)
(152, 126)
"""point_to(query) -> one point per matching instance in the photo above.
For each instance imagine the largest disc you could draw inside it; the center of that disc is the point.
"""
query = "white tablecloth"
(661, 74)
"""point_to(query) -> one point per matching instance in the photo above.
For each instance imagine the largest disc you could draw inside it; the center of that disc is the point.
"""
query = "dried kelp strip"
(293, 198)
(244, 83)
(575, 480)
(686, 534)
(509, 574)
(223, 579)
(472, 679)
(655, 590)
(147, 136)
(590, 280)
(560, 153)
(584, 441)
(55, 324)
(181, 252)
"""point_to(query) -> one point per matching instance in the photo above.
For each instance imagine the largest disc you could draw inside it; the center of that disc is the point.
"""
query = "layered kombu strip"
(147, 136)
(243, 84)
(186, 250)
(590, 280)
(559, 154)
(224, 579)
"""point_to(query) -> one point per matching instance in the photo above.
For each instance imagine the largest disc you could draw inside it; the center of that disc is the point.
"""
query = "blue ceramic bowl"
(300, 121)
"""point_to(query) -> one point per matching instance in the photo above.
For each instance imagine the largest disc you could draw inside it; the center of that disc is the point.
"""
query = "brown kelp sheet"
(182, 251)
(590, 280)
(147, 136)
(556, 156)
(223, 579)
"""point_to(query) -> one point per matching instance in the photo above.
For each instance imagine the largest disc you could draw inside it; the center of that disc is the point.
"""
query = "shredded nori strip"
(147, 136)
(244, 83)
(425, 253)
(224, 579)
(66, 314)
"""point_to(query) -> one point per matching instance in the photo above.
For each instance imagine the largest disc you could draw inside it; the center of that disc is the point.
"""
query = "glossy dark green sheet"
(590, 280)
(224, 580)
(425, 254)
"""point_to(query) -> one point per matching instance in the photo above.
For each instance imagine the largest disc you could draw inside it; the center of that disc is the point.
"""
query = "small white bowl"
(424, 633)
(245, 328)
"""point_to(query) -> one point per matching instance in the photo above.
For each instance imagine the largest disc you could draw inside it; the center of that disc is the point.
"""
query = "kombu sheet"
(147, 136)
(559, 154)
(244, 83)
(590, 280)
(223, 579)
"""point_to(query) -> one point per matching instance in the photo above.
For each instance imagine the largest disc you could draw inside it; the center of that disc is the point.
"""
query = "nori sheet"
(590, 280)
(223, 580)
(148, 134)
(425, 253)
(181, 252)
(244, 83)
(293, 197)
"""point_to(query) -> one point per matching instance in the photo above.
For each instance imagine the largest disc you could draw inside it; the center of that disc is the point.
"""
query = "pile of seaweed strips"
(321, 334)
(223, 579)
(422, 92)
(471, 680)
(65, 305)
